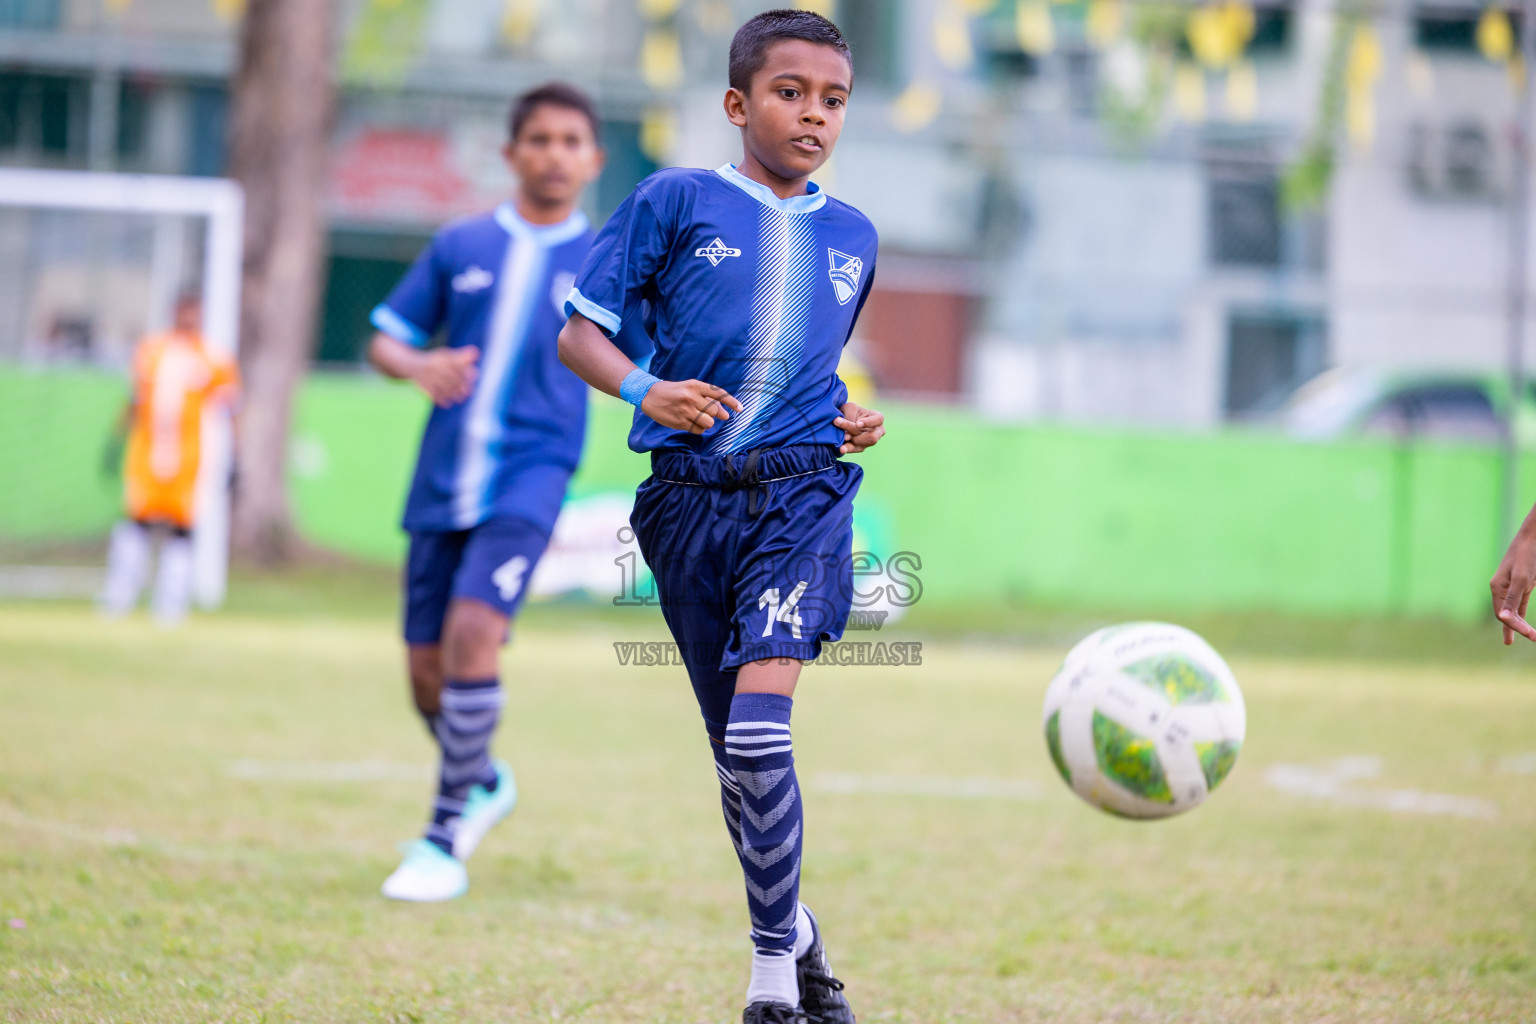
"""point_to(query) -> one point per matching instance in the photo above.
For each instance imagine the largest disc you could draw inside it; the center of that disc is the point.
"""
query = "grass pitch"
(193, 827)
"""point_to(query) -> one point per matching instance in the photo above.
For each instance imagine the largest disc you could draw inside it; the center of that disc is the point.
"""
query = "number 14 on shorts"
(788, 612)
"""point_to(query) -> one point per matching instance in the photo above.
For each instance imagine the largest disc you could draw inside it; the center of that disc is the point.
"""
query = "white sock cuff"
(773, 980)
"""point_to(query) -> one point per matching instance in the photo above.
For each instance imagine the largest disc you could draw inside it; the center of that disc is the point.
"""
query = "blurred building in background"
(1098, 210)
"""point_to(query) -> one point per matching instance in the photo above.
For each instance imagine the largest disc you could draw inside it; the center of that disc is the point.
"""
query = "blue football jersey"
(738, 288)
(497, 283)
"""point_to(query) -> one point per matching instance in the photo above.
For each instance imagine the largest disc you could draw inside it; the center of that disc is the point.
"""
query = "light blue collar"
(545, 234)
(813, 200)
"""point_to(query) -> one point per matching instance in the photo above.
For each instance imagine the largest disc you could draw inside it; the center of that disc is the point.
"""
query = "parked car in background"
(1439, 405)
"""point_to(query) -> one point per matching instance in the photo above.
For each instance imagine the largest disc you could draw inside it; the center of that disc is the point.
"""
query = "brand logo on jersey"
(473, 279)
(716, 251)
(845, 271)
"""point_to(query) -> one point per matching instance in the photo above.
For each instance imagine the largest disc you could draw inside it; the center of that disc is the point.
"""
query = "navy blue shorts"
(491, 563)
(752, 558)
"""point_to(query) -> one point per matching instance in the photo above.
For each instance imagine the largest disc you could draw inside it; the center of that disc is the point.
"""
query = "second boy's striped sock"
(470, 711)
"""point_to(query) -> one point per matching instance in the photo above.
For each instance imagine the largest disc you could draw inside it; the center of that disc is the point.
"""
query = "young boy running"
(500, 445)
(752, 278)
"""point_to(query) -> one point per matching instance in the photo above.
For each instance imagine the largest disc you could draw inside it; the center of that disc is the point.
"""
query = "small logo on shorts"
(845, 272)
(716, 251)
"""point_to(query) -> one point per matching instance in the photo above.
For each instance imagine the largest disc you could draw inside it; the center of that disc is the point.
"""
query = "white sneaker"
(482, 810)
(427, 875)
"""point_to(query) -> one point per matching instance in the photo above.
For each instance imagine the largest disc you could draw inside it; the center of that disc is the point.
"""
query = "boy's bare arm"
(1513, 581)
(447, 375)
(690, 405)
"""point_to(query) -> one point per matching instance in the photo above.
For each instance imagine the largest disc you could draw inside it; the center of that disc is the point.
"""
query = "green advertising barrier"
(996, 513)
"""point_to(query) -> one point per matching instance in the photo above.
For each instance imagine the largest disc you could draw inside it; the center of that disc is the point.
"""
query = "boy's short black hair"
(551, 94)
(749, 48)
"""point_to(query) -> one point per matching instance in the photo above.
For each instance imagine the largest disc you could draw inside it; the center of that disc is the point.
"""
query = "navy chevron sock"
(470, 711)
(762, 759)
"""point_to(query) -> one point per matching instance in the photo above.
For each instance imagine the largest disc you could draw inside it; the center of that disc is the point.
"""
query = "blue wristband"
(636, 386)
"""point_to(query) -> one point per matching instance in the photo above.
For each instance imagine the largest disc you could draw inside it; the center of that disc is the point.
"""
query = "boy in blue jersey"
(750, 279)
(503, 439)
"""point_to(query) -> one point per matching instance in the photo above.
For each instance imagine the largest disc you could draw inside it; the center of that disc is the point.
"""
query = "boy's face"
(554, 156)
(793, 114)
(189, 315)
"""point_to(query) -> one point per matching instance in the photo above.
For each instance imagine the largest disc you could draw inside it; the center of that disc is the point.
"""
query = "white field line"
(327, 771)
(948, 787)
(1334, 783)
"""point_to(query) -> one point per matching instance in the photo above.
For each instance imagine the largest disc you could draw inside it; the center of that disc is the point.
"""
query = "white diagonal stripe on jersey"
(516, 288)
(786, 277)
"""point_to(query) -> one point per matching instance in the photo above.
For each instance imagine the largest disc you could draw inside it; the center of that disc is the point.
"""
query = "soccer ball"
(1144, 720)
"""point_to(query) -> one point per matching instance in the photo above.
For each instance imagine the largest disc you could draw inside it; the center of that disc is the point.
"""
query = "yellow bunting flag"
(661, 59)
(229, 10)
(518, 21)
(1495, 35)
(916, 107)
(1104, 23)
(1218, 34)
(826, 8)
(1036, 32)
(1189, 92)
(1361, 70)
(952, 38)
(655, 10)
(1242, 91)
(658, 133)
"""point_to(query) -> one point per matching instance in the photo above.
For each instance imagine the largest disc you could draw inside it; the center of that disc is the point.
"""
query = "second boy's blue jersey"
(496, 283)
(741, 289)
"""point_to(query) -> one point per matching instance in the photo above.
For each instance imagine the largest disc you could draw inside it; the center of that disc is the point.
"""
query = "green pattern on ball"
(1129, 760)
(1053, 743)
(1178, 679)
(1216, 760)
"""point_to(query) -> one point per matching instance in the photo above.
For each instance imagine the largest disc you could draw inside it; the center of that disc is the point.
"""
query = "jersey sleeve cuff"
(579, 303)
(397, 326)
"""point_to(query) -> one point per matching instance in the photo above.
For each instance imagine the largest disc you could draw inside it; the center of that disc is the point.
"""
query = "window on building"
(1269, 355)
(1271, 30)
(206, 129)
(627, 165)
(35, 14)
(1245, 221)
(1453, 30)
(364, 266)
(871, 27)
(133, 104)
(44, 116)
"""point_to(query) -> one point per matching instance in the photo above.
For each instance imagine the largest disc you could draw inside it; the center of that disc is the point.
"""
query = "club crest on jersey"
(716, 251)
(845, 271)
(473, 279)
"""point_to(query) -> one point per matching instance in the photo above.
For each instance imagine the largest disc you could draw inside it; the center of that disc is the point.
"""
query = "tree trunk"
(284, 93)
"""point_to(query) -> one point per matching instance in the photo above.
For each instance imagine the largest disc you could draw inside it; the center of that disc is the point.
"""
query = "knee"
(472, 638)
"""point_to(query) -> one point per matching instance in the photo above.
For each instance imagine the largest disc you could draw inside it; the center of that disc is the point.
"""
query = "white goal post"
(222, 203)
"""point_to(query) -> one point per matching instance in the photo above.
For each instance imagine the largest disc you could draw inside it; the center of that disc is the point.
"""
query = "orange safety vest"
(174, 379)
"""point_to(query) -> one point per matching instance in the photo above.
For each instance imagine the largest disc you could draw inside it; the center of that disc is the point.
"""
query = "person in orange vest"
(175, 378)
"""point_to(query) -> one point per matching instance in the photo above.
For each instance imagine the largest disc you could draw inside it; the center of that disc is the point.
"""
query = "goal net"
(90, 263)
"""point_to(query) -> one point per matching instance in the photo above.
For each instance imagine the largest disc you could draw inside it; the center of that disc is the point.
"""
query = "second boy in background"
(501, 444)
(753, 278)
